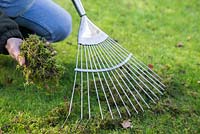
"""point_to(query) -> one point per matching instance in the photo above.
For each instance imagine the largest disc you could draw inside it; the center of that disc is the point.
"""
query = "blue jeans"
(43, 17)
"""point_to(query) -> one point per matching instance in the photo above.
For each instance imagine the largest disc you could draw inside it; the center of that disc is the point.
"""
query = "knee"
(62, 28)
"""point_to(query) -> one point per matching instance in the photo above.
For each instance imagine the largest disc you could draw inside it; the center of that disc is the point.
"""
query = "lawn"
(163, 33)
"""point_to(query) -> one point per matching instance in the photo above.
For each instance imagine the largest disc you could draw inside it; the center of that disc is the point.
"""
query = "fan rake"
(122, 84)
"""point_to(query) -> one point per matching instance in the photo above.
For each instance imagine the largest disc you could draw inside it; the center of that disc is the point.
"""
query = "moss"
(41, 66)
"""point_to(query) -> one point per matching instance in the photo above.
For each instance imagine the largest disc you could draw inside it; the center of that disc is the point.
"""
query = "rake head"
(109, 79)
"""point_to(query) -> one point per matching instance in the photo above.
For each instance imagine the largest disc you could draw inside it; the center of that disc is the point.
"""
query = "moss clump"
(41, 67)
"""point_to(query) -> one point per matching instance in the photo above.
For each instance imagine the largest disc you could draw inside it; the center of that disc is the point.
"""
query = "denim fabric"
(14, 8)
(43, 17)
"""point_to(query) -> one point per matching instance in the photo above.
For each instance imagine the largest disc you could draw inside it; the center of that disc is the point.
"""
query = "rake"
(122, 84)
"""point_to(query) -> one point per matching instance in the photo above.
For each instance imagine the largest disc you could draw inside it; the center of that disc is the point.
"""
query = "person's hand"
(13, 48)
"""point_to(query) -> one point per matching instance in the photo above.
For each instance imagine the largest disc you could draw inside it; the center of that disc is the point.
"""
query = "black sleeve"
(8, 29)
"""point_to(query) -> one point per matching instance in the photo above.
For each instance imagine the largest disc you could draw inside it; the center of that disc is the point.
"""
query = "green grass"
(150, 30)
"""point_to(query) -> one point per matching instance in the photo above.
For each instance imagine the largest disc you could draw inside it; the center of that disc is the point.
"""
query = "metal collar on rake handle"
(79, 7)
(89, 33)
(122, 84)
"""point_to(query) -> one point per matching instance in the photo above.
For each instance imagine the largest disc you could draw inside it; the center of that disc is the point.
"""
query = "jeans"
(42, 17)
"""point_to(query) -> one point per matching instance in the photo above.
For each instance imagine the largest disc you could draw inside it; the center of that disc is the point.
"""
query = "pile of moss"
(41, 66)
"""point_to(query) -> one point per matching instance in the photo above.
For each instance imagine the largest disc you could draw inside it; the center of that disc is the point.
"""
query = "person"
(18, 18)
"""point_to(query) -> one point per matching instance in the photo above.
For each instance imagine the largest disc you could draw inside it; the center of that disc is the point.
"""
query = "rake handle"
(79, 7)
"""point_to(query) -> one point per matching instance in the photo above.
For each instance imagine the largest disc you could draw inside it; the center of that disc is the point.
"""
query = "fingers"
(21, 60)
(15, 54)
(13, 48)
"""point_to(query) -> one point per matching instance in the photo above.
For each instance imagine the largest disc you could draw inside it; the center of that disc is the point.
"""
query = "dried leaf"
(126, 124)
(150, 66)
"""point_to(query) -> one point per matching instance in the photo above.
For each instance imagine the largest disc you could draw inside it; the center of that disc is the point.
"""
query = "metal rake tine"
(95, 86)
(87, 83)
(113, 84)
(133, 79)
(72, 96)
(102, 87)
(138, 62)
(81, 84)
(122, 87)
(70, 107)
(70, 104)
(140, 73)
(97, 58)
(137, 77)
